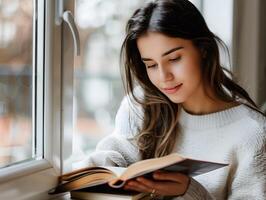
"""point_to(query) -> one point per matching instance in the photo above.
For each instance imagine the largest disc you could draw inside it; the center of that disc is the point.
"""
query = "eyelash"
(171, 60)
(175, 59)
(150, 66)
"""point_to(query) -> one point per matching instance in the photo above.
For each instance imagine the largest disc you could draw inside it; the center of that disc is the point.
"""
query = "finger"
(171, 176)
(168, 188)
(137, 186)
(148, 183)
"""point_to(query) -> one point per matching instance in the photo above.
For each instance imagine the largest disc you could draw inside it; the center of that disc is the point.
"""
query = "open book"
(116, 177)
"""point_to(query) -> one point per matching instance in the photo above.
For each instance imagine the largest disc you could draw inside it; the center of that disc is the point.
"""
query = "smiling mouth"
(172, 90)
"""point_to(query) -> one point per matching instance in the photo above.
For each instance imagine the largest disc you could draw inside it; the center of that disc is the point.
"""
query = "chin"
(177, 99)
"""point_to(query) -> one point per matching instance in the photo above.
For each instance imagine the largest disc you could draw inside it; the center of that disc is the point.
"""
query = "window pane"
(98, 86)
(222, 12)
(16, 29)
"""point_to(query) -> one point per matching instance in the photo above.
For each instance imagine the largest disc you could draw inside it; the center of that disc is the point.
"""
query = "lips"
(171, 90)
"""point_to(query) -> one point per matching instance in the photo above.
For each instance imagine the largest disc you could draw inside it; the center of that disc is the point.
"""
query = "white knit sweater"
(236, 136)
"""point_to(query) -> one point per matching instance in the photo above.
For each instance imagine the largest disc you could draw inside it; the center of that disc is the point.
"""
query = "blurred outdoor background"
(15, 80)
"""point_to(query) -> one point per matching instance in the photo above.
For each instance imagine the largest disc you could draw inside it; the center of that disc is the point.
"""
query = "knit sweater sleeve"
(248, 180)
(119, 148)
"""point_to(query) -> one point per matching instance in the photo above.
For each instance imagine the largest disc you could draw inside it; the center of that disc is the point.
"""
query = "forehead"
(154, 43)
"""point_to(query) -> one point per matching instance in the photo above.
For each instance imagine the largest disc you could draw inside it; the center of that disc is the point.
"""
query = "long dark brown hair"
(173, 18)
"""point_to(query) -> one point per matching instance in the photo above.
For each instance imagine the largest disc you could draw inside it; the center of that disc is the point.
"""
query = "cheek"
(192, 78)
(192, 70)
(153, 78)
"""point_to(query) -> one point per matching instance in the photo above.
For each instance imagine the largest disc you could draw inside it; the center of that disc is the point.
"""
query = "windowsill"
(30, 186)
(23, 169)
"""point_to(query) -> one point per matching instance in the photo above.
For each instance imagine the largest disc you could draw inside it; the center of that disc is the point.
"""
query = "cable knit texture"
(236, 136)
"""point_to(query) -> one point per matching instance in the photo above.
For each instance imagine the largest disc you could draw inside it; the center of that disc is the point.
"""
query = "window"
(17, 83)
(26, 106)
(213, 13)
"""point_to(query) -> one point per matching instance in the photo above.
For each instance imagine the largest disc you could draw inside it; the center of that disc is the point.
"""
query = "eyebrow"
(164, 54)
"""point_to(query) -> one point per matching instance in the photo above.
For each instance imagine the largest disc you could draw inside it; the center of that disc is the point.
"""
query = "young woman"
(180, 99)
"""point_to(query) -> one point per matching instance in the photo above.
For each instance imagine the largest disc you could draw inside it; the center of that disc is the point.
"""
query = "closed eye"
(150, 66)
(175, 59)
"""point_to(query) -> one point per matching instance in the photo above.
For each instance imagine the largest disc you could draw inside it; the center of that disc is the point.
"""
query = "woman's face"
(173, 66)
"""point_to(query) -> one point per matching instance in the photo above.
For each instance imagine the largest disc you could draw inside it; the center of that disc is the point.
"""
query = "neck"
(201, 103)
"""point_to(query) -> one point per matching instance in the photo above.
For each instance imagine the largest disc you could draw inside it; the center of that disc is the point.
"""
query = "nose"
(165, 74)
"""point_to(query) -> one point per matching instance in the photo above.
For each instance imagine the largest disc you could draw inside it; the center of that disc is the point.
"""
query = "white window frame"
(32, 180)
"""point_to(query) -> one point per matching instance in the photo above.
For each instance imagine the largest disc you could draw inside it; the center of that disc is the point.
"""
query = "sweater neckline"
(212, 120)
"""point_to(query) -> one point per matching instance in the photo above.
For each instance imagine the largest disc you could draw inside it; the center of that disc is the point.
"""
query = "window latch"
(67, 16)
(69, 19)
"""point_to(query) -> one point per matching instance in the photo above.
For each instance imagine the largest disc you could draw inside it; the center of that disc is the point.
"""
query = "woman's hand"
(164, 184)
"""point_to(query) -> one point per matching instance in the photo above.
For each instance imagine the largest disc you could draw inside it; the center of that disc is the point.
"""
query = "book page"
(118, 171)
(149, 165)
(81, 172)
(83, 178)
(173, 162)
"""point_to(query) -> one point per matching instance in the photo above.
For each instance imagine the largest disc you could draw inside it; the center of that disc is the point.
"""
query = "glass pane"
(16, 18)
(98, 86)
(222, 12)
